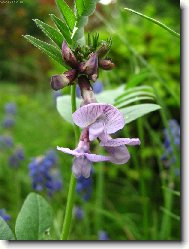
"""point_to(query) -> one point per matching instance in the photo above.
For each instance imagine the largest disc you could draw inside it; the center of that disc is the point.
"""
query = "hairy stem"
(71, 191)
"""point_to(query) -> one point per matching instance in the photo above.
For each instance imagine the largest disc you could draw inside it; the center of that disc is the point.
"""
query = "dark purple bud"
(103, 50)
(91, 67)
(68, 56)
(106, 64)
(62, 80)
(86, 90)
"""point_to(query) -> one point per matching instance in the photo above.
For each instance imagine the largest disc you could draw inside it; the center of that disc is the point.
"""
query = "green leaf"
(62, 27)
(136, 79)
(135, 99)
(79, 36)
(48, 49)
(5, 231)
(52, 33)
(136, 111)
(156, 22)
(169, 213)
(34, 218)
(79, 7)
(109, 96)
(90, 6)
(67, 13)
(64, 107)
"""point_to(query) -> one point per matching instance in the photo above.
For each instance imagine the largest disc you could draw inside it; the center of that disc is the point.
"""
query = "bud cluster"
(88, 68)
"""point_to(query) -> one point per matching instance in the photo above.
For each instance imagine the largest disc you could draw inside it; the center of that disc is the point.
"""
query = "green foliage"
(34, 218)
(52, 33)
(48, 49)
(5, 231)
(67, 13)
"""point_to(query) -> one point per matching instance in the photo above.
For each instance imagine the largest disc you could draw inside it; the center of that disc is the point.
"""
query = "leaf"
(79, 37)
(109, 96)
(156, 22)
(34, 218)
(169, 213)
(67, 13)
(79, 6)
(51, 33)
(136, 79)
(128, 102)
(90, 6)
(62, 27)
(48, 49)
(136, 111)
(5, 231)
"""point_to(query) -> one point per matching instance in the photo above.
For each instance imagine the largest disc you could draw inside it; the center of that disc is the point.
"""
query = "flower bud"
(103, 50)
(86, 90)
(68, 56)
(106, 64)
(61, 80)
(91, 67)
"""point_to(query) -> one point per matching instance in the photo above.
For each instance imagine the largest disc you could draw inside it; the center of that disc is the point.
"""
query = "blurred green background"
(137, 201)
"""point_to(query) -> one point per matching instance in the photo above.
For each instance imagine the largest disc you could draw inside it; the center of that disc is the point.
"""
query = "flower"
(16, 158)
(102, 235)
(83, 160)
(84, 187)
(44, 174)
(8, 122)
(4, 215)
(6, 141)
(78, 213)
(10, 108)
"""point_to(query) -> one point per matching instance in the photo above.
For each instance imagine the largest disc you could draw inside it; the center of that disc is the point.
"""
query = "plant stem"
(71, 192)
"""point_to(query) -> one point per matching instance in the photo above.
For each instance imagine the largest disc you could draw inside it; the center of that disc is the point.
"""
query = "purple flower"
(6, 141)
(78, 213)
(10, 108)
(102, 235)
(8, 122)
(16, 158)
(4, 215)
(84, 187)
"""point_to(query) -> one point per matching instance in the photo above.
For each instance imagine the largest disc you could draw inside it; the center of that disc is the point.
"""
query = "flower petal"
(97, 158)
(71, 152)
(120, 141)
(86, 169)
(77, 167)
(119, 155)
(88, 114)
(96, 129)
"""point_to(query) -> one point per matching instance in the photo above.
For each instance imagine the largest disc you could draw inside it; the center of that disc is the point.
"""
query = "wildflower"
(97, 88)
(4, 215)
(168, 157)
(84, 187)
(44, 173)
(10, 108)
(16, 158)
(8, 122)
(78, 213)
(6, 141)
(60, 81)
(102, 235)
(106, 64)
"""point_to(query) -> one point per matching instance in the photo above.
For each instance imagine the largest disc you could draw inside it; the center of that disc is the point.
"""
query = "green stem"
(71, 192)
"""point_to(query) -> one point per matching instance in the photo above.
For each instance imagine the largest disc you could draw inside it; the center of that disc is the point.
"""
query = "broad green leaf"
(63, 105)
(79, 36)
(67, 13)
(79, 6)
(136, 111)
(133, 95)
(34, 218)
(128, 102)
(52, 33)
(156, 22)
(109, 96)
(62, 27)
(5, 231)
(136, 79)
(48, 49)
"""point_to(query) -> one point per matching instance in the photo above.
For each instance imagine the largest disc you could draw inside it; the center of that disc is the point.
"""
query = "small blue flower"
(44, 173)
(102, 235)
(97, 88)
(84, 187)
(10, 108)
(6, 141)
(16, 158)
(4, 215)
(8, 122)
(78, 213)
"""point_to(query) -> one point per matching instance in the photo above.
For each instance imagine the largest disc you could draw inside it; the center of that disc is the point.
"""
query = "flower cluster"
(17, 157)
(6, 141)
(4, 215)
(173, 134)
(102, 235)
(78, 212)
(44, 173)
(10, 111)
(80, 66)
(97, 120)
(84, 187)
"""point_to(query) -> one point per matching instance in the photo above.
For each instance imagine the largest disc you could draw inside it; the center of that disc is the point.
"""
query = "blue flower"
(102, 235)
(97, 88)
(10, 108)
(6, 141)
(8, 122)
(4, 215)
(168, 157)
(78, 213)
(84, 187)
(16, 158)
(44, 173)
